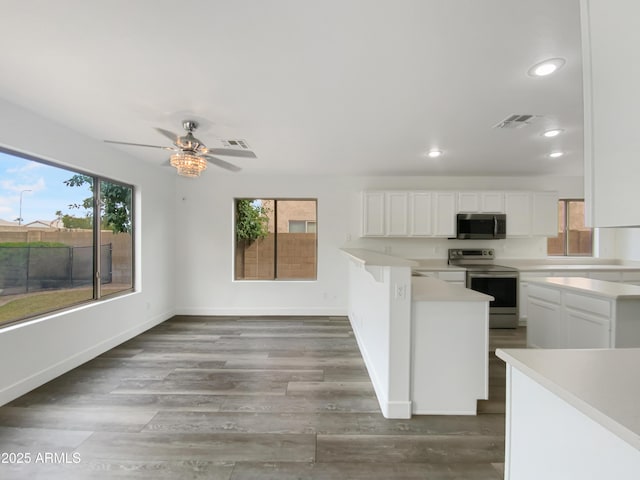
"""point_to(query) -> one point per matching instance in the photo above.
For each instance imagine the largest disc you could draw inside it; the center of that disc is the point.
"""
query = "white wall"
(34, 352)
(205, 235)
(205, 256)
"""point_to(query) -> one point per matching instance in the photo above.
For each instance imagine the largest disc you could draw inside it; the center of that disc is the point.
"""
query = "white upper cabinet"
(373, 214)
(611, 80)
(544, 214)
(518, 210)
(468, 202)
(420, 214)
(397, 214)
(444, 214)
(481, 202)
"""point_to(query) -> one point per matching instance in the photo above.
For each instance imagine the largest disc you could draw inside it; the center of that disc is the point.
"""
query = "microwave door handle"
(495, 226)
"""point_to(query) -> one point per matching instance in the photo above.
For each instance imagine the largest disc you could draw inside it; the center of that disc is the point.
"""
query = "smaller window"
(574, 238)
(275, 239)
(302, 226)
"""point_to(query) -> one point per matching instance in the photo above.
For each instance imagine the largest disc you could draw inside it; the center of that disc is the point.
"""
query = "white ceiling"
(314, 86)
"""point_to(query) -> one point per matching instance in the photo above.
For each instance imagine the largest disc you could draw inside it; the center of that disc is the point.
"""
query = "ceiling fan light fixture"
(188, 164)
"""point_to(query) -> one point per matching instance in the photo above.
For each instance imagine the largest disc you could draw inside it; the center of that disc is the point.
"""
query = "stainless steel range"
(483, 275)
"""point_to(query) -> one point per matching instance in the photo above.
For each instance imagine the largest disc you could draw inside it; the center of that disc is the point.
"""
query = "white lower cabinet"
(560, 317)
(545, 328)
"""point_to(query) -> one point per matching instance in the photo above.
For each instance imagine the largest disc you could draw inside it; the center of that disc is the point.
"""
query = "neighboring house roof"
(6, 223)
(44, 224)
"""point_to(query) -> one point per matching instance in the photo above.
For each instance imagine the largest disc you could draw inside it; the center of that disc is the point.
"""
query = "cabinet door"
(468, 202)
(544, 220)
(373, 214)
(397, 214)
(444, 214)
(518, 209)
(492, 202)
(585, 330)
(420, 214)
(545, 322)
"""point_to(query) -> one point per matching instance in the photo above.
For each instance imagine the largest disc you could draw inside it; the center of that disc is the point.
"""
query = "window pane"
(296, 252)
(275, 239)
(255, 239)
(580, 237)
(46, 238)
(116, 240)
(555, 246)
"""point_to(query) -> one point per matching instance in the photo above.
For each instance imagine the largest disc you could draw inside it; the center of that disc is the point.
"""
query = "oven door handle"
(493, 275)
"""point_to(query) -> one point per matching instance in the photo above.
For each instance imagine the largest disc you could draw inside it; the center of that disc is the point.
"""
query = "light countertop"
(428, 289)
(602, 383)
(378, 259)
(569, 268)
(591, 286)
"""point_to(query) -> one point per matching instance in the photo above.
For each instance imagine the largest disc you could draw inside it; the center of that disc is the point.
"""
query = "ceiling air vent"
(516, 121)
(236, 144)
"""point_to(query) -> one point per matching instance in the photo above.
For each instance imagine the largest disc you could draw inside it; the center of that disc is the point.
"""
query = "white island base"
(572, 414)
(449, 348)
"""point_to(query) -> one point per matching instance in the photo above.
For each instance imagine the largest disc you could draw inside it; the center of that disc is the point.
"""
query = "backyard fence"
(30, 269)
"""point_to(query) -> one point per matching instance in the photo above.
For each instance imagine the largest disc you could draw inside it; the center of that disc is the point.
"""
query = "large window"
(574, 238)
(51, 220)
(276, 239)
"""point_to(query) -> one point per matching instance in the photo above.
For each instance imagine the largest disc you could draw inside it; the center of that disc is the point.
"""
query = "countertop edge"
(591, 286)
(572, 399)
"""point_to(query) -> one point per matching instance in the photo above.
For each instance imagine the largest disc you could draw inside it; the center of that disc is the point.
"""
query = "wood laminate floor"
(235, 398)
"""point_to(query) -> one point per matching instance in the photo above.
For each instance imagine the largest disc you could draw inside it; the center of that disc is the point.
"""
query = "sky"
(48, 192)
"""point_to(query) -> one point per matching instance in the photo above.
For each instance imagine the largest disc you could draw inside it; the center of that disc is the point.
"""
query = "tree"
(252, 223)
(115, 202)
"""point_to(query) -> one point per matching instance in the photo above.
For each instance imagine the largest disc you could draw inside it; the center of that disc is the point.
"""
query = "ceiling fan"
(190, 155)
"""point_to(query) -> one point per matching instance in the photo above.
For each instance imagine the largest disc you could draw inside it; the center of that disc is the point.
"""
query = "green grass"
(38, 303)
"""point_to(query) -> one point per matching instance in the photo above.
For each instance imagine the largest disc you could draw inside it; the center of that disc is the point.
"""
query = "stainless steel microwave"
(481, 226)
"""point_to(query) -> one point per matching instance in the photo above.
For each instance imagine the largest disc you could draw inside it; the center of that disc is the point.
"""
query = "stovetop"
(477, 259)
(487, 268)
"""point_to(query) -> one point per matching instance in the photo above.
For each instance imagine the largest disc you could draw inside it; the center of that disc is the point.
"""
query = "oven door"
(502, 286)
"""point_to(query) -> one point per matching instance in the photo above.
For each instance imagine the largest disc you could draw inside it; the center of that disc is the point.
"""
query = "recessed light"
(552, 133)
(434, 153)
(556, 154)
(547, 67)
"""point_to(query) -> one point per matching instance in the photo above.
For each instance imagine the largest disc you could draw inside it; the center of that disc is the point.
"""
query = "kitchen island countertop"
(431, 289)
(601, 383)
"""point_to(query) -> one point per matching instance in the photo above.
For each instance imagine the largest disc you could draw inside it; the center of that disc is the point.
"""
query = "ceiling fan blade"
(170, 135)
(139, 144)
(232, 152)
(222, 163)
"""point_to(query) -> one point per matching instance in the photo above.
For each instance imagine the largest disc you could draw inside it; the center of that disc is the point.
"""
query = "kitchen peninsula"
(424, 341)
(576, 409)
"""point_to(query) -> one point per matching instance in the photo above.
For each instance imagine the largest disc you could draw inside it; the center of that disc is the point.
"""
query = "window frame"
(275, 201)
(565, 225)
(97, 295)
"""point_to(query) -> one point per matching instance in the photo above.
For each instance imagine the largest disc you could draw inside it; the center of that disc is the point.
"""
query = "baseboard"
(25, 385)
(263, 311)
